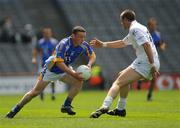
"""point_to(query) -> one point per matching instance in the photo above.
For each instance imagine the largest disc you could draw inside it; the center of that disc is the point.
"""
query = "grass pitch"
(162, 112)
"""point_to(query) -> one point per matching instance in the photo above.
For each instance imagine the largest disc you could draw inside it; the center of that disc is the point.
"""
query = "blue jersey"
(66, 52)
(156, 38)
(46, 47)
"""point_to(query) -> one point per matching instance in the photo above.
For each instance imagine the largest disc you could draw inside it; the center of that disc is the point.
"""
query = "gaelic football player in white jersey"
(145, 66)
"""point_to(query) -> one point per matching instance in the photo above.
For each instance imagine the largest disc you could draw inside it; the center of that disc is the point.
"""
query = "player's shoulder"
(137, 27)
(84, 44)
(157, 32)
(41, 41)
(54, 41)
(64, 41)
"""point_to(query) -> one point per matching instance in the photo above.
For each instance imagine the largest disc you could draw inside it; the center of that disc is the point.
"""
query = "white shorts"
(143, 67)
(46, 75)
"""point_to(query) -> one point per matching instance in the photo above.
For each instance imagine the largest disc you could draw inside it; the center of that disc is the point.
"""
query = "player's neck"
(46, 38)
(74, 43)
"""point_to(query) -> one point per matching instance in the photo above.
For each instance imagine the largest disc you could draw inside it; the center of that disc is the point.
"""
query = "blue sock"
(16, 108)
(68, 102)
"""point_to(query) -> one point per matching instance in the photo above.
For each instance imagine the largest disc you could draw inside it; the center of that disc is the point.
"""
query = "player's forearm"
(114, 44)
(34, 53)
(92, 59)
(65, 68)
(148, 50)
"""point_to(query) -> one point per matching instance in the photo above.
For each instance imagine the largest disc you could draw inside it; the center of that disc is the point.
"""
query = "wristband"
(104, 44)
(152, 65)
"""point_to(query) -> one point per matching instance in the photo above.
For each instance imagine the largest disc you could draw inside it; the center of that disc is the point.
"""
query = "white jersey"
(138, 35)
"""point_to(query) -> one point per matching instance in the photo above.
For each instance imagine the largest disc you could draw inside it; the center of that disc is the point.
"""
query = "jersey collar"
(132, 23)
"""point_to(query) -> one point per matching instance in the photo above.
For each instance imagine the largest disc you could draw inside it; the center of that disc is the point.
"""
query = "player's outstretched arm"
(69, 71)
(96, 43)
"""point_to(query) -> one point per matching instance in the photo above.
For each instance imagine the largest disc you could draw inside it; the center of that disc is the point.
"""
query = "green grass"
(162, 112)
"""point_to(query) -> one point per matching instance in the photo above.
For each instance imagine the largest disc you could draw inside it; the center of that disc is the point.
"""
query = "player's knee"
(120, 82)
(78, 83)
(119, 73)
(34, 93)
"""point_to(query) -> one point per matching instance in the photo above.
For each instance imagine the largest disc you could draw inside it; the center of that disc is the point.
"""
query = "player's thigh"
(127, 76)
(40, 85)
(71, 80)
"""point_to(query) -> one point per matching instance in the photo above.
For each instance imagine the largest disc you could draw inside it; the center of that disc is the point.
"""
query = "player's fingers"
(79, 73)
(97, 40)
(158, 73)
(93, 41)
(154, 76)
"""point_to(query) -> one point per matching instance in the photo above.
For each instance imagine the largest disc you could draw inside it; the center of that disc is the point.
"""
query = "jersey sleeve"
(88, 50)
(139, 36)
(126, 40)
(60, 52)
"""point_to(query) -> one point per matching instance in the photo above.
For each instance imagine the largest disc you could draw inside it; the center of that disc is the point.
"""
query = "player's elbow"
(93, 56)
(122, 45)
(146, 45)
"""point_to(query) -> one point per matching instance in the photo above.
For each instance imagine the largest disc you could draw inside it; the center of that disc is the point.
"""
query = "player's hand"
(34, 60)
(78, 76)
(163, 46)
(96, 43)
(89, 65)
(155, 72)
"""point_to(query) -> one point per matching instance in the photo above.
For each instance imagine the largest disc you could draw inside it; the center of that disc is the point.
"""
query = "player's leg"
(75, 87)
(139, 82)
(39, 86)
(126, 77)
(150, 90)
(120, 109)
(53, 90)
(41, 95)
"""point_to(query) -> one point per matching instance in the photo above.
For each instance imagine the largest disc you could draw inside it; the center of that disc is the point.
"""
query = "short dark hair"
(78, 29)
(128, 14)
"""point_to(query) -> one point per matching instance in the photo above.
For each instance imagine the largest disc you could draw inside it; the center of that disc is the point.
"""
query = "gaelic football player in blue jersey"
(45, 48)
(57, 68)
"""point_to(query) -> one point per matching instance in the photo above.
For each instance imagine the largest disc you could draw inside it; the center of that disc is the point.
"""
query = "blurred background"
(21, 22)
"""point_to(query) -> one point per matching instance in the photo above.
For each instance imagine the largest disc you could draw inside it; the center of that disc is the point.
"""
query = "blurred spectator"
(97, 79)
(160, 44)
(28, 34)
(7, 33)
(158, 41)
(45, 48)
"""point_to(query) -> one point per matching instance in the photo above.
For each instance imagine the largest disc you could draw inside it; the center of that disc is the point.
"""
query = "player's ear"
(73, 35)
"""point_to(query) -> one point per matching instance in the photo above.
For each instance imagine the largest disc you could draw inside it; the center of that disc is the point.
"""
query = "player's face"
(125, 23)
(153, 25)
(79, 37)
(47, 33)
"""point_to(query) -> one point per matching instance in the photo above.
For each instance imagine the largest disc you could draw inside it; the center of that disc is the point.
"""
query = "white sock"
(107, 102)
(121, 103)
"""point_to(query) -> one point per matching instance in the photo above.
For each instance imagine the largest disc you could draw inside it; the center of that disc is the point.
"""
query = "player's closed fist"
(96, 43)
(34, 61)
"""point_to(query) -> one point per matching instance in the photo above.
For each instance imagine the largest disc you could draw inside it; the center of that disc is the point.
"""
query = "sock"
(16, 108)
(68, 102)
(53, 87)
(107, 102)
(121, 103)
